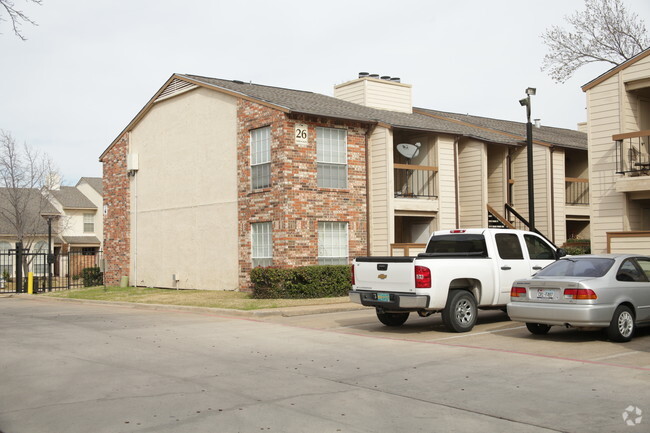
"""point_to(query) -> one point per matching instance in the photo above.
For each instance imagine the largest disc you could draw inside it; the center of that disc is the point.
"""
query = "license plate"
(383, 297)
(545, 294)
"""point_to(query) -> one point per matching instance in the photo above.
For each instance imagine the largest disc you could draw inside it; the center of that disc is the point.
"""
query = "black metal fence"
(62, 271)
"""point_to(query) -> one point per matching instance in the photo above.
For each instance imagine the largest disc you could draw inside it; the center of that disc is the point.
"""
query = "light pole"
(529, 144)
(50, 256)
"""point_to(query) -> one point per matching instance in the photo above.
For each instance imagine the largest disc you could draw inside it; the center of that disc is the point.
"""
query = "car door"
(511, 262)
(642, 288)
(540, 253)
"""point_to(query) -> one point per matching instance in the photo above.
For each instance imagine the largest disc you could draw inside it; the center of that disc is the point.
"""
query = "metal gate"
(62, 271)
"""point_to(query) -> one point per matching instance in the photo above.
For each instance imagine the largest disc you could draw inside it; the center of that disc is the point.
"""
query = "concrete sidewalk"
(283, 311)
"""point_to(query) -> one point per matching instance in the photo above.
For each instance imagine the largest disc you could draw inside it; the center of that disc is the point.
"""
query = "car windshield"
(577, 267)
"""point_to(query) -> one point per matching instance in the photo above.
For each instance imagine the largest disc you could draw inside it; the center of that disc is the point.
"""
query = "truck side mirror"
(560, 252)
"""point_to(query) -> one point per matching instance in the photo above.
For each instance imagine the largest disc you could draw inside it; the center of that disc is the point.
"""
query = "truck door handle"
(505, 268)
(537, 268)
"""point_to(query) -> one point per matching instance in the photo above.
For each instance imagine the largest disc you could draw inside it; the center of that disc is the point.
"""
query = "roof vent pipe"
(374, 75)
(363, 74)
(538, 123)
(385, 77)
(395, 79)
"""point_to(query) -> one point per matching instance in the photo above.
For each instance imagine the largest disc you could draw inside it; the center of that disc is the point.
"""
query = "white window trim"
(264, 154)
(322, 159)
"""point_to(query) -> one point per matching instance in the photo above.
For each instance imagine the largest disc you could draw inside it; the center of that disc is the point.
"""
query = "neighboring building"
(36, 208)
(81, 224)
(76, 222)
(214, 177)
(618, 118)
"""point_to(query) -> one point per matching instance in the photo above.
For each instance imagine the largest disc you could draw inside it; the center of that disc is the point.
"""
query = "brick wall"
(117, 227)
(294, 203)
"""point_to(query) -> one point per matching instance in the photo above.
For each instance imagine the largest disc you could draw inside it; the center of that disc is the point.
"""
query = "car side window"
(538, 249)
(509, 246)
(629, 272)
(644, 264)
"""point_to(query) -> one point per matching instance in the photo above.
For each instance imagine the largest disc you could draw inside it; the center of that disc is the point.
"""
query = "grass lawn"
(196, 298)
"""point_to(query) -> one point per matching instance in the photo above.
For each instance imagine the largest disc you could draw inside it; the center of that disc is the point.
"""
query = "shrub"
(325, 281)
(92, 276)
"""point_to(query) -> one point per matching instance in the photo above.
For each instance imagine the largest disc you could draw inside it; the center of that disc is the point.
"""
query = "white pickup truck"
(460, 271)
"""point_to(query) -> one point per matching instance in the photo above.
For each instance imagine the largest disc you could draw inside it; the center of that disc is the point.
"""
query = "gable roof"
(95, 183)
(310, 103)
(36, 205)
(70, 197)
(615, 70)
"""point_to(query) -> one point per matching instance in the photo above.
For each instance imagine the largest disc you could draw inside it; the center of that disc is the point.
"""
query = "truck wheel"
(459, 314)
(621, 327)
(538, 328)
(392, 319)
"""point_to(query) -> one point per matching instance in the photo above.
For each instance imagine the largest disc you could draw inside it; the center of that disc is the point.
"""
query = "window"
(89, 223)
(6, 260)
(538, 249)
(509, 246)
(332, 243)
(457, 244)
(262, 244)
(261, 158)
(644, 264)
(629, 272)
(332, 157)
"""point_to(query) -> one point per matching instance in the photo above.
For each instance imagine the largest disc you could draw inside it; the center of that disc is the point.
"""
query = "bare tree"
(17, 16)
(604, 32)
(25, 182)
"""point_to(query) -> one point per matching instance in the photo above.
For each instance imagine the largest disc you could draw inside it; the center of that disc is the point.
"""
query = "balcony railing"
(415, 181)
(577, 191)
(632, 155)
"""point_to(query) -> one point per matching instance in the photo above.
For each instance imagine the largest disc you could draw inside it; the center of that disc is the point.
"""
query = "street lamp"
(50, 256)
(529, 144)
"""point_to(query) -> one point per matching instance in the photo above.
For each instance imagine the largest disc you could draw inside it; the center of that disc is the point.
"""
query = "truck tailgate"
(385, 274)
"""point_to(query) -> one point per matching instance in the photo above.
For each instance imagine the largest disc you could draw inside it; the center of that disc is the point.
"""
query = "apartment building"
(618, 110)
(213, 177)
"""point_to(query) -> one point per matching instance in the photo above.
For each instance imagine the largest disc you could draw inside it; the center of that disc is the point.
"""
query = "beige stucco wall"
(184, 195)
(98, 201)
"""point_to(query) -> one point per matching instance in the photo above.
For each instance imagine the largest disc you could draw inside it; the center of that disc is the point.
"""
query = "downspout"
(369, 133)
(456, 180)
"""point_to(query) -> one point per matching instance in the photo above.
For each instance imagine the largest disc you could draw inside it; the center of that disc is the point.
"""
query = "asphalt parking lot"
(70, 367)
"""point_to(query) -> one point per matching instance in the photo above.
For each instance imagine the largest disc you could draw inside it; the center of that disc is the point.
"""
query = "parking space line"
(470, 334)
(616, 355)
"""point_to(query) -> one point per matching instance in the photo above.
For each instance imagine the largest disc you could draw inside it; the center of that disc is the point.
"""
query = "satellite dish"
(409, 150)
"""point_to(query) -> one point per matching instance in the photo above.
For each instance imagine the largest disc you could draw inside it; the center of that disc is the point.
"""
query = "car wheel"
(621, 328)
(392, 319)
(459, 314)
(538, 328)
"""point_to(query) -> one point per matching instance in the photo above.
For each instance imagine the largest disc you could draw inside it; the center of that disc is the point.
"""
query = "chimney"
(375, 91)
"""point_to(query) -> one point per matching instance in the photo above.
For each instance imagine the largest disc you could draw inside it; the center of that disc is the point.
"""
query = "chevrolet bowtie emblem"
(382, 276)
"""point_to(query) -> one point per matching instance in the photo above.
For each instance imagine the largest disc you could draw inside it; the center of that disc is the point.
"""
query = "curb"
(269, 312)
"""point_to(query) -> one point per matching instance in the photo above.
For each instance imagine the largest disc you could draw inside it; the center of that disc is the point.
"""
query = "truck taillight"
(518, 292)
(352, 275)
(422, 277)
(579, 294)
(457, 231)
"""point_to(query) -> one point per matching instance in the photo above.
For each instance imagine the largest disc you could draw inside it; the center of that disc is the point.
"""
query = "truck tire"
(392, 319)
(459, 314)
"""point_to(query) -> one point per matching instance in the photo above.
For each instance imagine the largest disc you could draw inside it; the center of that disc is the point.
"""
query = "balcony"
(415, 181)
(632, 156)
(633, 161)
(576, 191)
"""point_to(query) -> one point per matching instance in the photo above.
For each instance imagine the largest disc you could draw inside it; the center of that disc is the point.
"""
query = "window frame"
(86, 223)
(260, 157)
(329, 243)
(261, 231)
(501, 246)
(328, 158)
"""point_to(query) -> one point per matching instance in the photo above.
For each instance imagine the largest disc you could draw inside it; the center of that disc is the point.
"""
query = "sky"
(88, 67)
